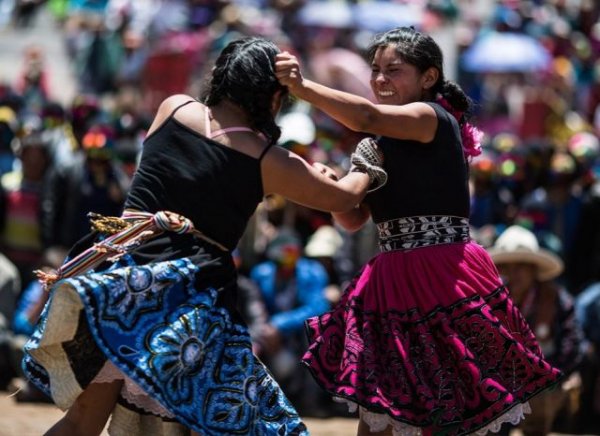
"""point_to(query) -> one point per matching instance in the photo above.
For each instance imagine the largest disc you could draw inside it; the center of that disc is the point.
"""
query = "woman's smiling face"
(394, 81)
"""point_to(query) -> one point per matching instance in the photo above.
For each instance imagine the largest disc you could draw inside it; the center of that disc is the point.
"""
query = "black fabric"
(217, 187)
(423, 179)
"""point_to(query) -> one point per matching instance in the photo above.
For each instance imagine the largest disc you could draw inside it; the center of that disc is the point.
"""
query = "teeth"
(386, 93)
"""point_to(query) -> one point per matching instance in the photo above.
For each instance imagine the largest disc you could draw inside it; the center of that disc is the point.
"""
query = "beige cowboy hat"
(325, 242)
(517, 244)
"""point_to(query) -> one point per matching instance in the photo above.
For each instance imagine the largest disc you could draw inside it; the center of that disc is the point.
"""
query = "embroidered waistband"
(422, 231)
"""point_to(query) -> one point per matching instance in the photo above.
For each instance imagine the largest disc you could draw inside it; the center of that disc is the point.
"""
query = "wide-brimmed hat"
(325, 242)
(518, 245)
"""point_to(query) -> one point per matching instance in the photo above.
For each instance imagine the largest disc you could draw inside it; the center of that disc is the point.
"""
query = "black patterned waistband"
(422, 231)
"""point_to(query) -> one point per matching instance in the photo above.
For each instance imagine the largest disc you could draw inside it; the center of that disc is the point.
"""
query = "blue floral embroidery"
(174, 340)
(187, 348)
(134, 291)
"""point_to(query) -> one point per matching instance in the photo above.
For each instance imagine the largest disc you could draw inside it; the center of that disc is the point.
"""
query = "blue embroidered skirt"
(165, 330)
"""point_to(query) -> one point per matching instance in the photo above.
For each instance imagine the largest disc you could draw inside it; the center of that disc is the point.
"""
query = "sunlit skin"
(395, 82)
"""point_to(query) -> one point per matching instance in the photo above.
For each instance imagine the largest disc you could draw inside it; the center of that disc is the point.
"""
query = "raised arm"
(416, 121)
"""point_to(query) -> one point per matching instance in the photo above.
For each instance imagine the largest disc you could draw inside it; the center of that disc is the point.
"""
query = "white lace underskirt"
(131, 391)
(378, 422)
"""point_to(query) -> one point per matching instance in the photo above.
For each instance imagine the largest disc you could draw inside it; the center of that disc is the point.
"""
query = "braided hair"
(421, 50)
(244, 73)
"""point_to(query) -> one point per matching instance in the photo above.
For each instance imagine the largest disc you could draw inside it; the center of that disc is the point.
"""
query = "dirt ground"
(33, 419)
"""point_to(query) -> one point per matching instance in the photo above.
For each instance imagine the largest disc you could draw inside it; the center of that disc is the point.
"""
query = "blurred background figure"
(27, 312)
(93, 183)
(32, 83)
(324, 246)
(529, 272)
(21, 234)
(293, 288)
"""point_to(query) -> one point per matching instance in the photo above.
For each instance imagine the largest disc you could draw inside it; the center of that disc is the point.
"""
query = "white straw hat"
(325, 242)
(517, 244)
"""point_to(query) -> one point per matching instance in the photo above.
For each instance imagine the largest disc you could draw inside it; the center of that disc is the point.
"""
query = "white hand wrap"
(367, 159)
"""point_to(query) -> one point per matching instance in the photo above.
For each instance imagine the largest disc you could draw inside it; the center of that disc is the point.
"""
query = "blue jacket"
(311, 280)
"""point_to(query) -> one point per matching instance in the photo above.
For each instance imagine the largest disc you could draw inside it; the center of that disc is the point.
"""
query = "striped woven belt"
(422, 231)
(125, 233)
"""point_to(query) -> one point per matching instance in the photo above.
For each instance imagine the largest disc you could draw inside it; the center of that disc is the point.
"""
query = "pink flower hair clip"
(471, 135)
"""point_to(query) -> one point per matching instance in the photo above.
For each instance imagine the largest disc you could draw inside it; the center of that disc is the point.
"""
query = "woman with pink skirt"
(426, 339)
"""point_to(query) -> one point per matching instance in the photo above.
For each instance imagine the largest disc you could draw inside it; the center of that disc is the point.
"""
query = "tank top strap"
(265, 150)
(180, 106)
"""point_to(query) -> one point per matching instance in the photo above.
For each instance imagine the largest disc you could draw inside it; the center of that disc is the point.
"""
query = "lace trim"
(131, 391)
(378, 422)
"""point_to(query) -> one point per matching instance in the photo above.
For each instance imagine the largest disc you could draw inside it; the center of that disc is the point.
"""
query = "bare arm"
(287, 174)
(416, 121)
(353, 219)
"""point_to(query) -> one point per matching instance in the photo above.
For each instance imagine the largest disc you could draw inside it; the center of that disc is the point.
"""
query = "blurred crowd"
(538, 105)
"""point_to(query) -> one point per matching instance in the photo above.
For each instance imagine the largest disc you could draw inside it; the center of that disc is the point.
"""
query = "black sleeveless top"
(182, 171)
(423, 179)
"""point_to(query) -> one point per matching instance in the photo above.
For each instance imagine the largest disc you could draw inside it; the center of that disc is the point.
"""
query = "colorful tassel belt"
(422, 231)
(126, 233)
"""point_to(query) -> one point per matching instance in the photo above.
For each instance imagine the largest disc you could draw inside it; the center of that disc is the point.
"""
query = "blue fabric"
(31, 295)
(587, 311)
(176, 343)
(311, 280)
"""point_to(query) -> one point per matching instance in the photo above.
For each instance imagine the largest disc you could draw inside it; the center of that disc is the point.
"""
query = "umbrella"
(334, 14)
(506, 52)
(380, 16)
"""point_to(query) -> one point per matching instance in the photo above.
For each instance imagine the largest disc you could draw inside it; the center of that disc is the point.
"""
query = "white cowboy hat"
(517, 244)
(325, 242)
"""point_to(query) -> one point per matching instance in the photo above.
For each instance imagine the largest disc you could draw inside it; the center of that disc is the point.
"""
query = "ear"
(430, 78)
(277, 102)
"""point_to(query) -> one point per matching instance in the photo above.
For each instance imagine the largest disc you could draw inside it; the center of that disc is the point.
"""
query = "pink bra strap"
(220, 131)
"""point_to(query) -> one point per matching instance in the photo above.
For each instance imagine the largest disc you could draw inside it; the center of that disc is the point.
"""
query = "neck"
(229, 109)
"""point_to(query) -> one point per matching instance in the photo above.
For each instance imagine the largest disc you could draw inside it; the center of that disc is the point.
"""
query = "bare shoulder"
(166, 108)
(172, 102)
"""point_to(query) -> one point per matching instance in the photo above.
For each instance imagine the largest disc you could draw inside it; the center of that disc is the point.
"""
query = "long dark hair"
(244, 73)
(420, 50)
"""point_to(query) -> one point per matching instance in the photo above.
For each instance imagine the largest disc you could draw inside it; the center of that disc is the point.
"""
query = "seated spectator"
(323, 246)
(293, 289)
(529, 272)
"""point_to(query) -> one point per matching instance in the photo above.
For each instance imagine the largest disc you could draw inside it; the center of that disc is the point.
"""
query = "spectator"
(93, 183)
(20, 237)
(293, 288)
(529, 272)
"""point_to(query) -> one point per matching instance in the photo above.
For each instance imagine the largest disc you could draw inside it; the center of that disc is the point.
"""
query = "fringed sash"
(126, 233)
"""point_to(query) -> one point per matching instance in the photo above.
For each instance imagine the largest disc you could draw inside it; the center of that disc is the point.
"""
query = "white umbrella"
(506, 52)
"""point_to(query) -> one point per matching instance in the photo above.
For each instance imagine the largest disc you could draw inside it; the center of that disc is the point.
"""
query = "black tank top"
(423, 179)
(182, 171)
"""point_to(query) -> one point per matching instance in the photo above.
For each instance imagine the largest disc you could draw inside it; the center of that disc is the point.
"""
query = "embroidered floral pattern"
(178, 345)
(185, 348)
(133, 291)
(455, 368)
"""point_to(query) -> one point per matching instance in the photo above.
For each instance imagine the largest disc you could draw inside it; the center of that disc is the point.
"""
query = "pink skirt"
(429, 339)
